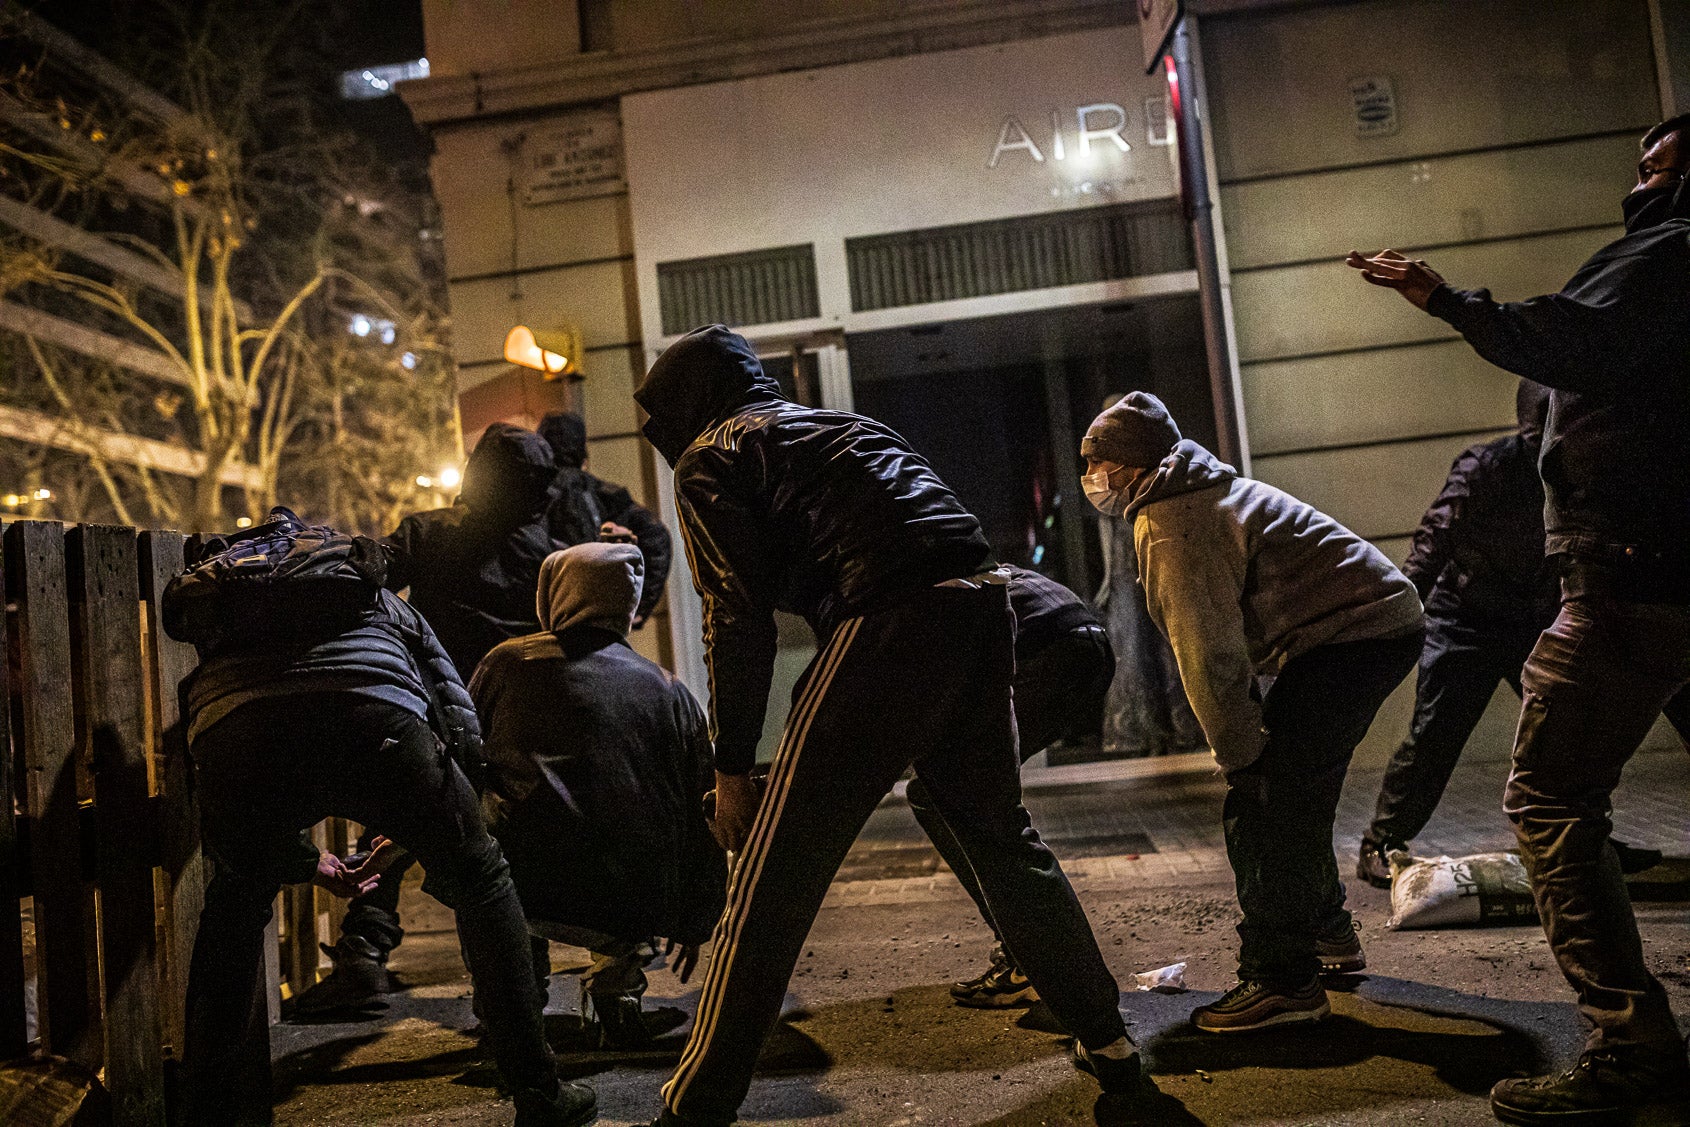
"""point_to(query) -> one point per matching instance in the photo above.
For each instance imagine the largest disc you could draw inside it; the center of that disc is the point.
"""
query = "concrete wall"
(481, 36)
(1517, 134)
(511, 262)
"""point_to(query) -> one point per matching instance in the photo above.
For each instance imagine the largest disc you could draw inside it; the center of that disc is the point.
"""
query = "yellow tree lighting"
(554, 352)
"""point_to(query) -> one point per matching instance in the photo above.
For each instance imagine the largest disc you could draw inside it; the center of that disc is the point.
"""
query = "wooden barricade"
(105, 834)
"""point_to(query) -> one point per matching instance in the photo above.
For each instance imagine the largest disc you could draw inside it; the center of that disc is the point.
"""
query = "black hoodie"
(823, 514)
(473, 568)
(1614, 345)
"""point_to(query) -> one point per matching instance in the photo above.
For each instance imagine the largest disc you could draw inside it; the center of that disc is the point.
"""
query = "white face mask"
(1105, 498)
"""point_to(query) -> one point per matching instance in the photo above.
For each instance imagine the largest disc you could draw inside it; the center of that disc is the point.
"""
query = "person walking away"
(321, 694)
(471, 569)
(1250, 585)
(831, 516)
(1063, 669)
(597, 764)
(586, 508)
(1614, 348)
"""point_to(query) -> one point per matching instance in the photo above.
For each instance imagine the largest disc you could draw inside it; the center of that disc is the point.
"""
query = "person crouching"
(597, 761)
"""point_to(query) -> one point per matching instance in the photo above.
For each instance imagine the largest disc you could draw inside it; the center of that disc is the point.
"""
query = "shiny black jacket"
(819, 513)
(1614, 345)
(1044, 611)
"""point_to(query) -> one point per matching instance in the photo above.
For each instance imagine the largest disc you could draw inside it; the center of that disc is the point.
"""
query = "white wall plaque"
(1374, 102)
(577, 157)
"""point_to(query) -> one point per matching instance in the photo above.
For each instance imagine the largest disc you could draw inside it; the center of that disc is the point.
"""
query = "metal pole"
(1199, 211)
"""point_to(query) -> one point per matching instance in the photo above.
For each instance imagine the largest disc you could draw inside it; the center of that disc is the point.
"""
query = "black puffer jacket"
(823, 514)
(1481, 541)
(1614, 344)
(391, 655)
(473, 568)
(1045, 610)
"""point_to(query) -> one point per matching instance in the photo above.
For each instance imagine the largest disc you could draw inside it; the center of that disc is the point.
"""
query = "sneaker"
(1002, 985)
(621, 1022)
(1374, 863)
(572, 1106)
(1342, 953)
(1115, 1075)
(357, 982)
(1256, 1005)
(1600, 1089)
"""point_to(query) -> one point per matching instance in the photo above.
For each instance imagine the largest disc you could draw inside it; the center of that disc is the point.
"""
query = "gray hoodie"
(1242, 578)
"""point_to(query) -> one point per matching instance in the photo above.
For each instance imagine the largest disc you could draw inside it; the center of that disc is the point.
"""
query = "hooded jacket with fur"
(823, 514)
(1242, 578)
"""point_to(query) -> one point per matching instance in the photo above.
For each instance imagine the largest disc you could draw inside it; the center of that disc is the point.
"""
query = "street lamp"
(556, 353)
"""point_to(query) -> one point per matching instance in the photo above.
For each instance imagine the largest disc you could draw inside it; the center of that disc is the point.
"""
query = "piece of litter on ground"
(1163, 980)
(1205, 1077)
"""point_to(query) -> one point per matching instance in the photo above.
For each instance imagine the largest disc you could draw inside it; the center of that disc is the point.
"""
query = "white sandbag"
(1484, 889)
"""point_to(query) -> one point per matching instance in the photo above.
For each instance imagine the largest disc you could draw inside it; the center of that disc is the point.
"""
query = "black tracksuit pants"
(1058, 689)
(928, 682)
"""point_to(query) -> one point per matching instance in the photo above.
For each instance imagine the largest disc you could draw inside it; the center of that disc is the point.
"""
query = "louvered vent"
(759, 287)
(1008, 255)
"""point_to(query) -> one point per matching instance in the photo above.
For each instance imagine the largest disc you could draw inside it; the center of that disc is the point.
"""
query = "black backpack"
(283, 579)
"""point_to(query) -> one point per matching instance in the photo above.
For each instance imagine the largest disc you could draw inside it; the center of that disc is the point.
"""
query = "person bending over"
(325, 695)
(832, 516)
(1063, 667)
(1253, 587)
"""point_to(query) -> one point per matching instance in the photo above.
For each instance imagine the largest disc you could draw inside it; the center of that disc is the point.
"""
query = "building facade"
(964, 219)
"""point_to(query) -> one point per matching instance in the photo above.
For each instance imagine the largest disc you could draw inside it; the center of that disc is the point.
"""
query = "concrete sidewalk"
(871, 1038)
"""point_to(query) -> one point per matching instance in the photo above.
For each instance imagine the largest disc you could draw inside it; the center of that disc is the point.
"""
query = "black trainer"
(1603, 1088)
(1373, 865)
(1341, 953)
(1256, 1005)
(621, 1022)
(1633, 858)
(573, 1106)
(1003, 985)
(356, 984)
(1119, 1076)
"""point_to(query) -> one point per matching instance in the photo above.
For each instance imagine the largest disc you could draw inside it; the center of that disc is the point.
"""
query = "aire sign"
(1100, 123)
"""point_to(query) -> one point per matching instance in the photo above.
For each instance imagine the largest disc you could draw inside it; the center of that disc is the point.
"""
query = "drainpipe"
(1213, 289)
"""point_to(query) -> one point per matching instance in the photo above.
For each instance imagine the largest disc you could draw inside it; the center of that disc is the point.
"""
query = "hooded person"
(472, 569)
(320, 693)
(597, 764)
(1289, 632)
(582, 505)
(831, 516)
(1478, 563)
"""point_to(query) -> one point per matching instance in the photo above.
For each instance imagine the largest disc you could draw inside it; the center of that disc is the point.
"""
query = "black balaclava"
(566, 433)
(1650, 207)
(701, 378)
(509, 474)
